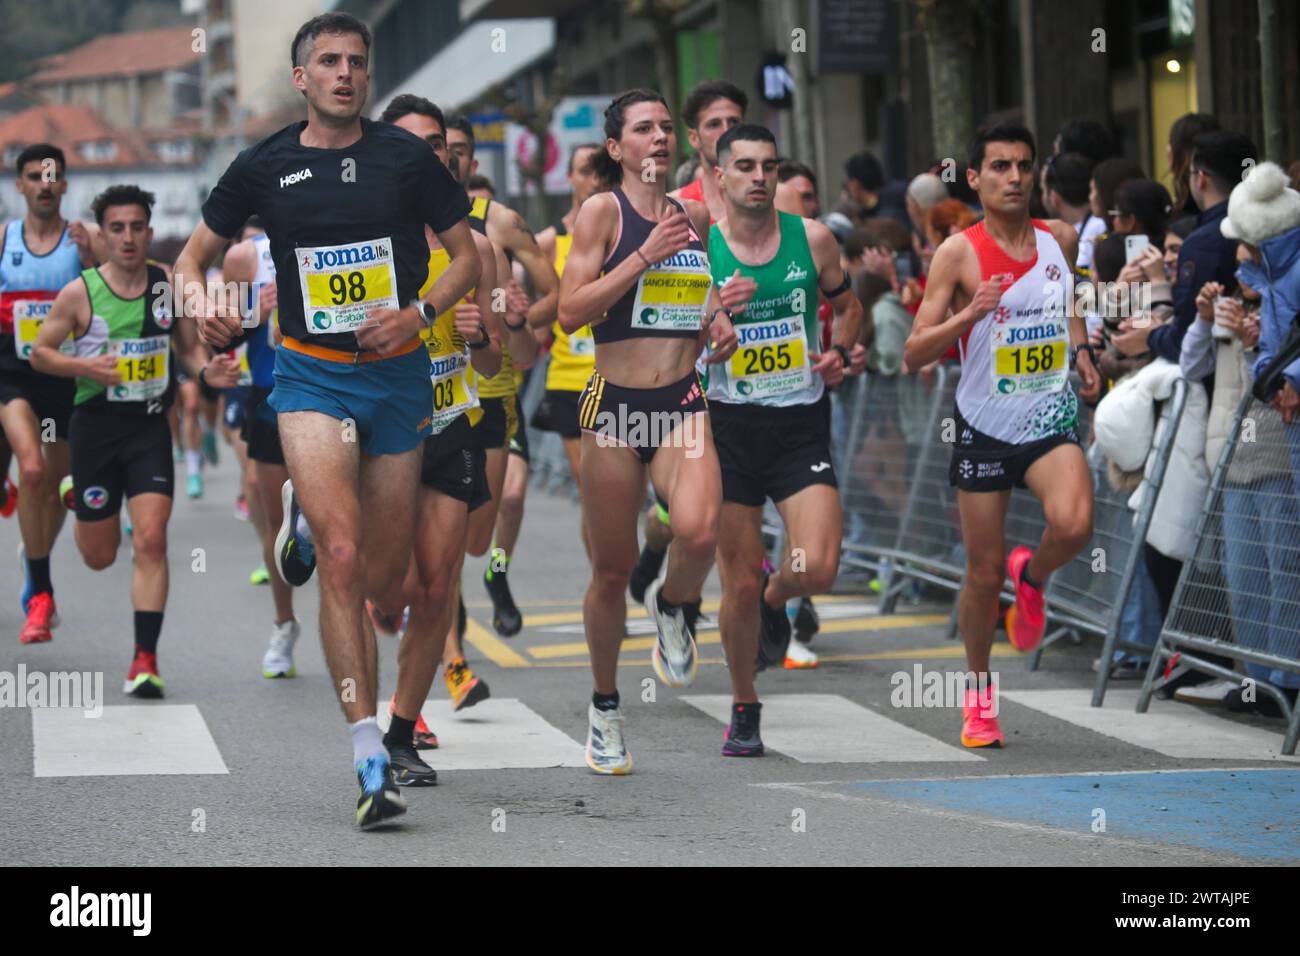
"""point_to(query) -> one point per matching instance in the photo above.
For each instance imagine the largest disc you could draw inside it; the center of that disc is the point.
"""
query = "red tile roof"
(67, 127)
(120, 54)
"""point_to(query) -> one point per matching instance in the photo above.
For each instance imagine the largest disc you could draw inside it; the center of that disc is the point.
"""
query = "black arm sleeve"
(230, 203)
(441, 200)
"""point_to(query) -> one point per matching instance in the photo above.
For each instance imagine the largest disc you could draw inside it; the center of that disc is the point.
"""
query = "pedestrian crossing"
(505, 734)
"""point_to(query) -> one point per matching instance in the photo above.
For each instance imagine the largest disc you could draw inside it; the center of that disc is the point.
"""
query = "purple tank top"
(669, 299)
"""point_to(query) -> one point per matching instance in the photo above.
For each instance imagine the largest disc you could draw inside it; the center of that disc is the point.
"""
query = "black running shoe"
(646, 570)
(380, 799)
(506, 618)
(773, 635)
(807, 622)
(408, 769)
(743, 739)
(295, 556)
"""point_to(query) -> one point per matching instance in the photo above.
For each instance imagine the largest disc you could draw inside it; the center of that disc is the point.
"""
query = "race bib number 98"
(143, 366)
(341, 284)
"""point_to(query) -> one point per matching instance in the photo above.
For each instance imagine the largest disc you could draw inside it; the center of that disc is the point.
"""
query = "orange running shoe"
(425, 739)
(465, 689)
(977, 730)
(11, 498)
(1026, 619)
(40, 613)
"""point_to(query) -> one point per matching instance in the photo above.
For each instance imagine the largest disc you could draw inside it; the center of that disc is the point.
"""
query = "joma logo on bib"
(688, 258)
(766, 332)
(293, 178)
(350, 256)
(445, 366)
(143, 347)
(1029, 333)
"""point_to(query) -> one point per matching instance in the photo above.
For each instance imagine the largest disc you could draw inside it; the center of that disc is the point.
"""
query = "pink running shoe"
(976, 730)
(1026, 620)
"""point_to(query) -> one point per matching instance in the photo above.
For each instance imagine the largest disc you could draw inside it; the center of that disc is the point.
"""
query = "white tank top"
(1015, 361)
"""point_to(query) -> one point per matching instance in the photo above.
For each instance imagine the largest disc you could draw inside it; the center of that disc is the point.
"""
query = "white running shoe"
(606, 752)
(799, 655)
(278, 659)
(1213, 693)
(675, 658)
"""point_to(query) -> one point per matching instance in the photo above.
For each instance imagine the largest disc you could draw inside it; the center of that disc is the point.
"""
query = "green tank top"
(138, 332)
(778, 331)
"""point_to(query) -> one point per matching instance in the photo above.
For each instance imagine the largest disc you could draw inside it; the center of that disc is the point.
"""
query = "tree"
(949, 29)
(660, 14)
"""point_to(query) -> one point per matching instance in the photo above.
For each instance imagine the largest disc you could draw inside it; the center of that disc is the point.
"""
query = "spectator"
(1260, 506)
(1142, 208)
(1218, 159)
(1154, 274)
(1088, 137)
(1294, 172)
(1178, 153)
(923, 192)
(1066, 179)
(802, 182)
(479, 185)
(945, 219)
(865, 184)
(1106, 177)
(687, 172)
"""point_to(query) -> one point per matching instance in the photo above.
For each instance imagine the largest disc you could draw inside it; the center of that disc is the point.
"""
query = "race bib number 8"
(143, 366)
(771, 360)
(29, 315)
(341, 284)
(672, 301)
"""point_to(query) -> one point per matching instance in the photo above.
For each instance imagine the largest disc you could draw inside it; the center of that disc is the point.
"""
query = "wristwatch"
(428, 314)
(844, 354)
(1086, 347)
(483, 342)
(724, 310)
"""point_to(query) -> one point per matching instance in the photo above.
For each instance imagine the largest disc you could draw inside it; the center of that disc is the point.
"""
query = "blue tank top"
(28, 286)
(261, 356)
(668, 300)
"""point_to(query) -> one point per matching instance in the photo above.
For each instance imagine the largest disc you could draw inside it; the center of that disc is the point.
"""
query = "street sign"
(577, 120)
(856, 36)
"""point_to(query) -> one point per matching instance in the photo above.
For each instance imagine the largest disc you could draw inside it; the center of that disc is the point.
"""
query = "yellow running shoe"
(465, 689)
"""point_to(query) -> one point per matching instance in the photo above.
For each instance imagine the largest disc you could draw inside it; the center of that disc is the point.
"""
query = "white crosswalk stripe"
(1168, 727)
(828, 728)
(123, 741)
(497, 734)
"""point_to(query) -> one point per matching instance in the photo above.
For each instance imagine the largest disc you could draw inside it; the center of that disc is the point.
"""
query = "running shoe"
(390, 624)
(142, 679)
(799, 656)
(773, 633)
(465, 689)
(241, 508)
(380, 799)
(408, 769)
(11, 497)
(1025, 619)
(194, 485)
(606, 752)
(978, 731)
(278, 659)
(646, 570)
(742, 738)
(295, 555)
(259, 575)
(67, 493)
(425, 739)
(807, 622)
(675, 657)
(40, 615)
(1213, 693)
(210, 447)
(506, 618)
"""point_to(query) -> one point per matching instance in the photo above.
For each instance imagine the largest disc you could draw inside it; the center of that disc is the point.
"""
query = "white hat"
(1262, 206)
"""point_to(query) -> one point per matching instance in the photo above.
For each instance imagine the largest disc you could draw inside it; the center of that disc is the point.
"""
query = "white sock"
(193, 461)
(367, 741)
(303, 529)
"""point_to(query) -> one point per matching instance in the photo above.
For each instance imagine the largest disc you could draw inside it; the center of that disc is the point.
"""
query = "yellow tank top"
(505, 382)
(573, 357)
(455, 384)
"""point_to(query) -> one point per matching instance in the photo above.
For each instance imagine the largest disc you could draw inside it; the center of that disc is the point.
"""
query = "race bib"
(245, 373)
(455, 386)
(581, 343)
(341, 284)
(1030, 354)
(143, 366)
(770, 361)
(29, 316)
(671, 296)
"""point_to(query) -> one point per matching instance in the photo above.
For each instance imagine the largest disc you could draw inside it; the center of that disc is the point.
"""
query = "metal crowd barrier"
(1239, 596)
(901, 513)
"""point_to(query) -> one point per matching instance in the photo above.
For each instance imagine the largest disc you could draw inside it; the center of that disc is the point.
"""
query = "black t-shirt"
(374, 196)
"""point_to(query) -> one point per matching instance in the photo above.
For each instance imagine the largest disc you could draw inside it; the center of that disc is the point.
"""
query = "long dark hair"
(1182, 134)
(1147, 201)
(609, 170)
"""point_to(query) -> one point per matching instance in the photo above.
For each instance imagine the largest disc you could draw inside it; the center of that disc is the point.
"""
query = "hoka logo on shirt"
(295, 177)
(795, 273)
(350, 255)
(766, 332)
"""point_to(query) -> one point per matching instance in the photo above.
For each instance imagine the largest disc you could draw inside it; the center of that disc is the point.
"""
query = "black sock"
(1024, 576)
(664, 606)
(148, 625)
(605, 702)
(401, 732)
(39, 570)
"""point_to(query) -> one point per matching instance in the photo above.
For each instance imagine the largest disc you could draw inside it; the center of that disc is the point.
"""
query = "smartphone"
(1134, 247)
